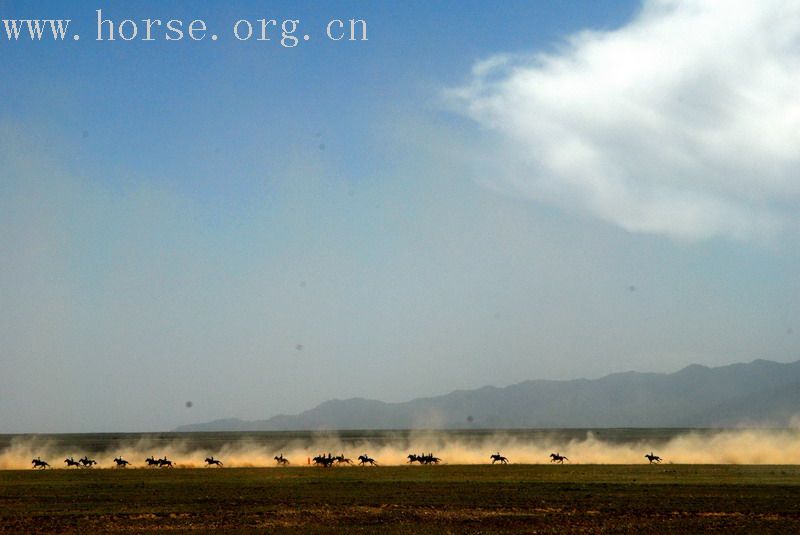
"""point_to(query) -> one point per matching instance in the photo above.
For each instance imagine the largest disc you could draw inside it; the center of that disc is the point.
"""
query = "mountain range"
(757, 394)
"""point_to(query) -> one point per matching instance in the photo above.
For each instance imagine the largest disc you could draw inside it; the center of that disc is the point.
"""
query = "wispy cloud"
(685, 122)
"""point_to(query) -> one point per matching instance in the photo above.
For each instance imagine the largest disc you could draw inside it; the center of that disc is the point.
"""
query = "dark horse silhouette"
(212, 461)
(496, 457)
(38, 463)
(72, 462)
(341, 459)
(152, 462)
(121, 463)
(366, 459)
(86, 461)
(165, 462)
(281, 460)
(558, 458)
(653, 458)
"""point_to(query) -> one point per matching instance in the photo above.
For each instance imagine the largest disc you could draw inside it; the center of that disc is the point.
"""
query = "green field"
(406, 499)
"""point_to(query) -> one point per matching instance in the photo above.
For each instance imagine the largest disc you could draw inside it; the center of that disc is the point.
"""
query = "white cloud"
(685, 122)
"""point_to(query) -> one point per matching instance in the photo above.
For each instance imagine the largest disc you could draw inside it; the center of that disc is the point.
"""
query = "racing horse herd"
(161, 463)
(325, 460)
(83, 462)
(425, 458)
(330, 460)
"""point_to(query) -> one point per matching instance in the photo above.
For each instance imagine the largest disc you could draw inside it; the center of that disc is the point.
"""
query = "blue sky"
(481, 193)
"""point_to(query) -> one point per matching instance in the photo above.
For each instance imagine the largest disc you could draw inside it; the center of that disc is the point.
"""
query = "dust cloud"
(735, 446)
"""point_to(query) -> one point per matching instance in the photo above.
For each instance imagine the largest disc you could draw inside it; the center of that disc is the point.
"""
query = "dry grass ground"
(418, 499)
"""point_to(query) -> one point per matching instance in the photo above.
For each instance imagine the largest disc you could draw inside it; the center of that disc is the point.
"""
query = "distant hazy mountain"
(761, 393)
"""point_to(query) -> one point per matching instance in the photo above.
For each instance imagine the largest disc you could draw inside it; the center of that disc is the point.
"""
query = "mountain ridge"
(694, 396)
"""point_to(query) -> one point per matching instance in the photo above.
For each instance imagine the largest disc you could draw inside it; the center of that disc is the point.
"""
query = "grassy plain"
(406, 499)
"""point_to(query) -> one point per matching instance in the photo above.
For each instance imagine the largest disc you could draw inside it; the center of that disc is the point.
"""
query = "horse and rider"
(558, 458)
(366, 459)
(497, 458)
(341, 459)
(38, 463)
(86, 462)
(653, 458)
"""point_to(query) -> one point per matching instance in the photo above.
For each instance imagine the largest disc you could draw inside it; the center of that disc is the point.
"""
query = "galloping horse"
(121, 463)
(72, 462)
(281, 460)
(496, 457)
(38, 463)
(364, 459)
(653, 458)
(341, 459)
(211, 460)
(86, 461)
(558, 458)
(152, 462)
(165, 462)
